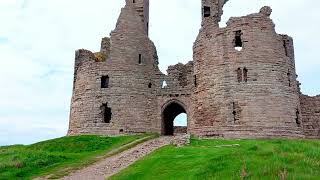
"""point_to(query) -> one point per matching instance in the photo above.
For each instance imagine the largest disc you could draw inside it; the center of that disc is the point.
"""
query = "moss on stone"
(99, 57)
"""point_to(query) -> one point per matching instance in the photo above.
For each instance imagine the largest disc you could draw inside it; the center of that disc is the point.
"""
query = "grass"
(247, 159)
(59, 156)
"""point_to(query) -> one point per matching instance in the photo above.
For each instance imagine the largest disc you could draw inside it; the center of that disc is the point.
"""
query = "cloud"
(38, 39)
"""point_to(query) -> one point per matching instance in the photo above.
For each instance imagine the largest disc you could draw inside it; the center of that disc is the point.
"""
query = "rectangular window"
(104, 81)
(206, 11)
(237, 39)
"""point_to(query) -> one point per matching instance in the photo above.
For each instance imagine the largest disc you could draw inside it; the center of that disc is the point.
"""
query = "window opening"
(239, 74)
(238, 41)
(140, 58)
(234, 112)
(104, 81)
(298, 118)
(206, 11)
(245, 74)
(164, 84)
(107, 114)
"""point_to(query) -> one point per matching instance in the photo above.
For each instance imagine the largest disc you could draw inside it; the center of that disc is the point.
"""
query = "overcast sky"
(38, 39)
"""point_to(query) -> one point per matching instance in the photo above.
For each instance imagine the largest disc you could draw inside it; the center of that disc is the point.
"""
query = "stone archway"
(169, 112)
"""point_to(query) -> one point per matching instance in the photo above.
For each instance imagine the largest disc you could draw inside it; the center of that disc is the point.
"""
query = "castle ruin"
(242, 82)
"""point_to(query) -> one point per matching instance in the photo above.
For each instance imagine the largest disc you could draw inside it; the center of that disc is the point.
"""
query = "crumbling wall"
(114, 89)
(241, 84)
(179, 88)
(310, 109)
(246, 80)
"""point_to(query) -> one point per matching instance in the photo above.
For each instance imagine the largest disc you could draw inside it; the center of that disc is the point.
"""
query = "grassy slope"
(25, 162)
(253, 159)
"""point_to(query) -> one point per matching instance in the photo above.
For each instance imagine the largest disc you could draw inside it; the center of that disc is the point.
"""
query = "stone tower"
(113, 89)
(246, 77)
(241, 83)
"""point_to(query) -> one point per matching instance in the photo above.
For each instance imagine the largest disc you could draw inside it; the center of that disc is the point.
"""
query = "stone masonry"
(241, 83)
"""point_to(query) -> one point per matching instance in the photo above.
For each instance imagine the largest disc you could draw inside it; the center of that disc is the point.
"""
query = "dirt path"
(114, 164)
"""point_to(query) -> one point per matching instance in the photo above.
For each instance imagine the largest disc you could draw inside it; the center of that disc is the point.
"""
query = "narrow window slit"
(140, 58)
(150, 85)
(107, 114)
(239, 75)
(195, 81)
(298, 118)
(245, 74)
(234, 112)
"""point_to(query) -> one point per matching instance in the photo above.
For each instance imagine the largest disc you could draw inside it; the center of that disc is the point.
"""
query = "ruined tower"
(246, 77)
(113, 89)
(241, 83)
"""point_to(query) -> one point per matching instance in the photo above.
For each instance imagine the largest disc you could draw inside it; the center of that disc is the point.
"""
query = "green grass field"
(253, 159)
(54, 156)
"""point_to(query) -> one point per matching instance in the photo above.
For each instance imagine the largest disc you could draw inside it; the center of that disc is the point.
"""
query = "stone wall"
(240, 84)
(310, 109)
(129, 61)
(247, 92)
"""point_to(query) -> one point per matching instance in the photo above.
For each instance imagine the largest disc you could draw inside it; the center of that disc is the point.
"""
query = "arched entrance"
(170, 111)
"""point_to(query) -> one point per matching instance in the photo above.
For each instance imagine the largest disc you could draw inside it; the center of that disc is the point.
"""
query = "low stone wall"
(180, 130)
(310, 109)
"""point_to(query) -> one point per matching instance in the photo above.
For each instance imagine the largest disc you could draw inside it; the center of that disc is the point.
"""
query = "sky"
(38, 39)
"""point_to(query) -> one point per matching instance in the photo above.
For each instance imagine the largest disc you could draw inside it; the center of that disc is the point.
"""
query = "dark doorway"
(169, 113)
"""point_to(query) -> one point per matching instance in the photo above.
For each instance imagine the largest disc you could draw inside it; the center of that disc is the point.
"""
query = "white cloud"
(38, 39)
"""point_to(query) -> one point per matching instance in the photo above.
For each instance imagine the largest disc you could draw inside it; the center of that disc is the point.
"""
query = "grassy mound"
(230, 159)
(25, 162)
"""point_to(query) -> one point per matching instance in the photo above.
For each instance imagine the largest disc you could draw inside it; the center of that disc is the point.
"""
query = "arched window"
(164, 84)
(150, 85)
